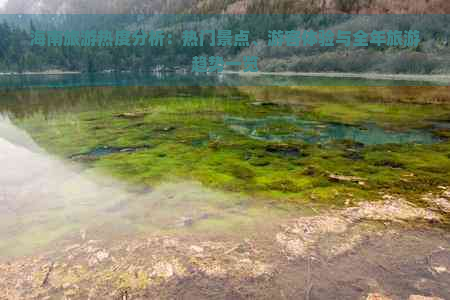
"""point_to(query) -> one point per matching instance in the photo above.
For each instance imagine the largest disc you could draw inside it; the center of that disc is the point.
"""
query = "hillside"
(431, 56)
(228, 6)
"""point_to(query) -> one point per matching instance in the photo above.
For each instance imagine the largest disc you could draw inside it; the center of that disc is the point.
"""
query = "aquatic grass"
(389, 115)
(189, 139)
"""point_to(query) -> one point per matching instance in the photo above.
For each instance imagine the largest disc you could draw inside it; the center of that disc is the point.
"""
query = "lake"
(119, 153)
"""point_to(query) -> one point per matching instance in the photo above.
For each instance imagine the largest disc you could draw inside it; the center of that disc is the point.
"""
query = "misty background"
(20, 17)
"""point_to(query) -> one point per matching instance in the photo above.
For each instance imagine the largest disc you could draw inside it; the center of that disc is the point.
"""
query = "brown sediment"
(342, 254)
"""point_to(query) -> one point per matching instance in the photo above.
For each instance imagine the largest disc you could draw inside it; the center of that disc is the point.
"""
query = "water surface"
(188, 79)
(107, 155)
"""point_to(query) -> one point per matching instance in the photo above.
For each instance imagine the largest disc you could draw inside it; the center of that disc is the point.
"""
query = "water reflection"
(188, 79)
(44, 200)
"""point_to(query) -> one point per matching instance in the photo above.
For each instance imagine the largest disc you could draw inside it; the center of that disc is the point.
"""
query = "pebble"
(418, 297)
(376, 296)
(197, 249)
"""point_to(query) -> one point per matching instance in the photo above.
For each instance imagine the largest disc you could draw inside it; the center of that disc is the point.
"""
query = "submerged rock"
(259, 161)
(283, 149)
(165, 129)
(353, 154)
(376, 296)
(299, 238)
(98, 257)
(442, 203)
(167, 269)
(339, 233)
(388, 163)
(196, 249)
(130, 115)
(105, 150)
(185, 222)
(342, 178)
(390, 210)
(264, 103)
(240, 129)
(441, 200)
(418, 297)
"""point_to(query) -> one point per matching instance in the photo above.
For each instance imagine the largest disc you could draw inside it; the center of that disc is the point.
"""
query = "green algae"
(198, 155)
(208, 136)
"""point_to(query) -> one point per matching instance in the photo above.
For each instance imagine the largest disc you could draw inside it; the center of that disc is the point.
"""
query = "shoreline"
(443, 78)
(48, 72)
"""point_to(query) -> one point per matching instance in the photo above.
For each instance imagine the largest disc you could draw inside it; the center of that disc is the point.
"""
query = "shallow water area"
(314, 132)
(47, 200)
(126, 159)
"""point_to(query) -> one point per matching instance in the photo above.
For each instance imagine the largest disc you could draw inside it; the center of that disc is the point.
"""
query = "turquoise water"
(188, 79)
(56, 198)
(314, 132)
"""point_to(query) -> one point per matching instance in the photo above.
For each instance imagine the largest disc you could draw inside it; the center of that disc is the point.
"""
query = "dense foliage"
(432, 55)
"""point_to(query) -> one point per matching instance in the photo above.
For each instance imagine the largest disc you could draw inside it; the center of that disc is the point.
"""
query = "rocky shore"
(390, 249)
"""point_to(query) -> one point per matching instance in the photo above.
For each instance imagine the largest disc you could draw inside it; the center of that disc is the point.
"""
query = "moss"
(259, 161)
(388, 163)
(284, 185)
(442, 133)
(242, 172)
(190, 140)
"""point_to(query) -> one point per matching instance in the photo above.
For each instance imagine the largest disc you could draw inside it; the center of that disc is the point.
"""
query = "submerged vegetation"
(154, 135)
(235, 188)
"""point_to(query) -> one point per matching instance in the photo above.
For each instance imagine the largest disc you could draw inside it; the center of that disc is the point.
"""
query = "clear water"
(188, 79)
(53, 198)
(314, 132)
